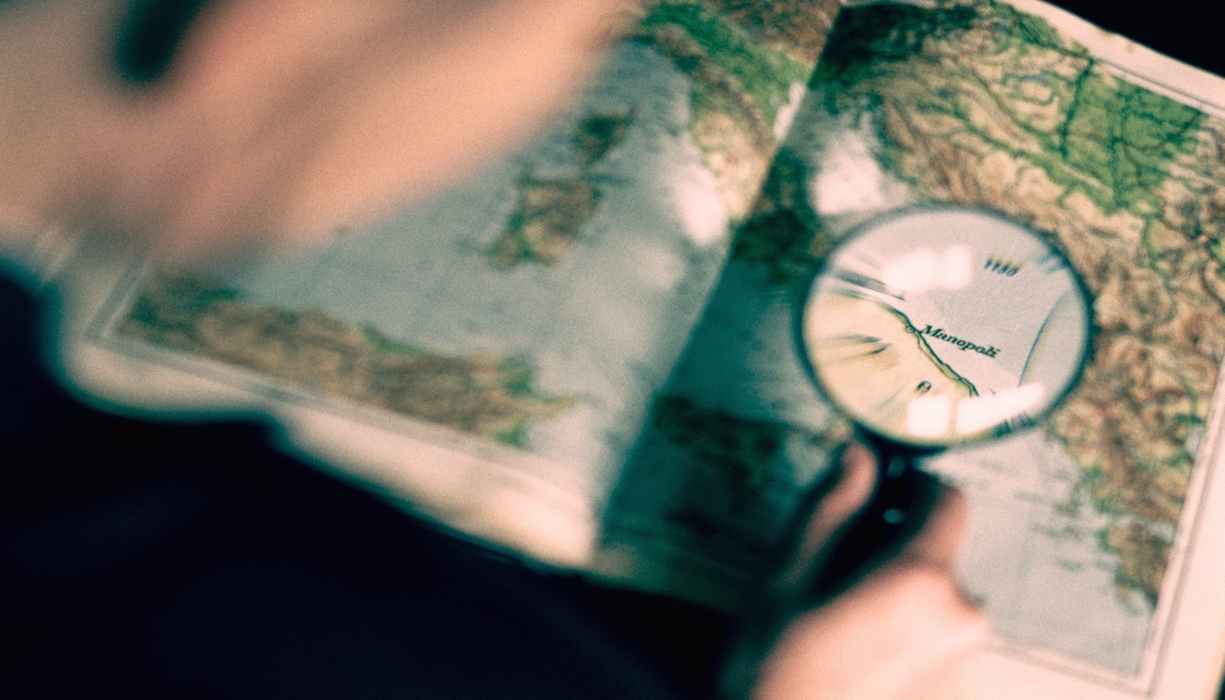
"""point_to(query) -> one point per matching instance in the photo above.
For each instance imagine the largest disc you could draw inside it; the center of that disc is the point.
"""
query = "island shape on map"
(478, 394)
(551, 211)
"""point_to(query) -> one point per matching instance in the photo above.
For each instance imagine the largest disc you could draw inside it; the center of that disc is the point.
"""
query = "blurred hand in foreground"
(273, 120)
(894, 635)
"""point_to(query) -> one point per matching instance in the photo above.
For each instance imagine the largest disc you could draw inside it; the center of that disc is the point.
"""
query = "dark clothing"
(143, 559)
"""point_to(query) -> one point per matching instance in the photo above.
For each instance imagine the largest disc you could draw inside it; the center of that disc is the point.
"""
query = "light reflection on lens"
(927, 269)
(983, 412)
(929, 416)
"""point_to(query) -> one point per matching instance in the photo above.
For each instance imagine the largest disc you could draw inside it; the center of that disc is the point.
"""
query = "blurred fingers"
(847, 497)
(937, 543)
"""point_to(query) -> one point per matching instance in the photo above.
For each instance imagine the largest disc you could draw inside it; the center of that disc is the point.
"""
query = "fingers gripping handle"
(901, 503)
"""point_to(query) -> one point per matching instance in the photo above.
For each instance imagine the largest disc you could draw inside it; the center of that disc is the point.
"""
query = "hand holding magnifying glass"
(930, 329)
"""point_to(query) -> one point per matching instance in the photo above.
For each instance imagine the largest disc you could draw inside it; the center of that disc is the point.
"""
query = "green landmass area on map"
(782, 231)
(981, 105)
(796, 28)
(481, 394)
(599, 133)
(743, 59)
(551, 212)
(548, 218)
(739, 449)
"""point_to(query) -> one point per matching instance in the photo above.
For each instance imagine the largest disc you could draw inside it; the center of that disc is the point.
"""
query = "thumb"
(826, 509)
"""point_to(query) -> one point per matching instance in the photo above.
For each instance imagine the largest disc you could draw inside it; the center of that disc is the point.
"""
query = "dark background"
(1189, 30)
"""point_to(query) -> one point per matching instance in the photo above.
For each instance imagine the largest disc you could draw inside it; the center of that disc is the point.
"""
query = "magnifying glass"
(936, 328)
(930, 328)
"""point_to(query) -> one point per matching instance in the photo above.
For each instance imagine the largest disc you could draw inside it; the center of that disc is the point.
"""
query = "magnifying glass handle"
(901, 504)
(903, 499)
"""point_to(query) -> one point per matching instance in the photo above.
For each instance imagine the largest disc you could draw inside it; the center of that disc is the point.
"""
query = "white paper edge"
(1135, 63)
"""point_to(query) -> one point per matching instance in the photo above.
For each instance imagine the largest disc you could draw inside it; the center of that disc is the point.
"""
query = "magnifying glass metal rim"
(996, 431)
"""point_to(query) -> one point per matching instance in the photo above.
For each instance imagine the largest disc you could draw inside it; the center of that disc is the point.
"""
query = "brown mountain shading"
(996, 110)
(739, 82)
(796, 26)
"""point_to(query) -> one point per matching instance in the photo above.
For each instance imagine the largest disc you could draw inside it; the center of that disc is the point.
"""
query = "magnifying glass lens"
(940, 327)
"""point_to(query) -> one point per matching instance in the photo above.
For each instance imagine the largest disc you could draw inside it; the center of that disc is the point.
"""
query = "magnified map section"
(938, 326)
